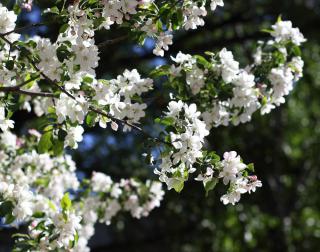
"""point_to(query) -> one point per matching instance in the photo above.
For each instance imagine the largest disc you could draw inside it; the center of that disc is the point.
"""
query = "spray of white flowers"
(56, 80)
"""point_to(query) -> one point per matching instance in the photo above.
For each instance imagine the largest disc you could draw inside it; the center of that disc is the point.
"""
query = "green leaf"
(42, 182)
(52, 205)
(209, 53)
(62, 135)
(9, 218)
(65, 202)
(176, 184)
(91, 119)
(296, 50)
(87, 79)
(74, 242)
(45, 142)
(25, 236)
(166, 121)
(10, 64)
(54, 237)
(54, 10)
(160, 71)
(16, 9)
(63, 53)
(38, 215)
(266, 30)
(203, 61)
(250, 167)
(6, 208)
(210, 185)
(58, 147)
(63, 28)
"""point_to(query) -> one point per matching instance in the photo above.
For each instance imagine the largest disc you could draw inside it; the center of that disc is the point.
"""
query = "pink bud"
(253, 178)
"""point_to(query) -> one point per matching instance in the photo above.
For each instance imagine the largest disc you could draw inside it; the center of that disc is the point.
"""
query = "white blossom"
(215, 3)
(74, 135)
(283, 31)
(232, 166)
(7, 20)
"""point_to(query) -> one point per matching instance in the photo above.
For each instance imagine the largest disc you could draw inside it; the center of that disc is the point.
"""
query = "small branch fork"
(17, 88)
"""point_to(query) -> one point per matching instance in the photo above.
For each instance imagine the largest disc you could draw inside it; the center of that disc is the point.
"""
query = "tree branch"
(17, 87)
(23, 28)
(31, 93)
(112, 41)
(91, 108)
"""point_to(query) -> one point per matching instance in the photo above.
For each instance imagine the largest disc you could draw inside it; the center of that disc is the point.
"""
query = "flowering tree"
(56, 81)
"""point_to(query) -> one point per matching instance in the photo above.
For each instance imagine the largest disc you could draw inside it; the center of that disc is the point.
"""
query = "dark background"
(285, 146)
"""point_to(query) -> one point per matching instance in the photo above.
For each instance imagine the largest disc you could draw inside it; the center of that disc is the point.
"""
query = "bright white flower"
(244, 93)
(86, 56)
(282, 81)
(187, 144)
(111, 209)
(215, 3)
(229, 67)
(232, 166)
(162, 44)
(184, 59)
(253, 183)
(74, 135)
(75, 110)
(231, 198)
(101, 182)
(194, 16)
(283, 31)
(174, 108)
(7, 78)
(5, 123)
(297, 66)
(8, 140)
(118, 94)
(23, 207)
(66, 228)
(7, 20)
(49, 62)
(195, 79)
(206, 177)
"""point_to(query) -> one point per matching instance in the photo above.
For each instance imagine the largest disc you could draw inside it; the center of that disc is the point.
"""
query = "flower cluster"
(57, 81)
(187, 141)
(116, 11)
(119, 94)
(52, 227)
(33, 189)
(283, 31)
(149, 18)
(227, 93)
(187, 156)
(128, 195)
(30, 173)
(68, 66)
(232, 173)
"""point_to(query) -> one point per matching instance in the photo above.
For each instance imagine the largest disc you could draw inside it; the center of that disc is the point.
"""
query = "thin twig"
(17, 87)
(112, 41)
(31, 93)
(25, 92)
(23, 28)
